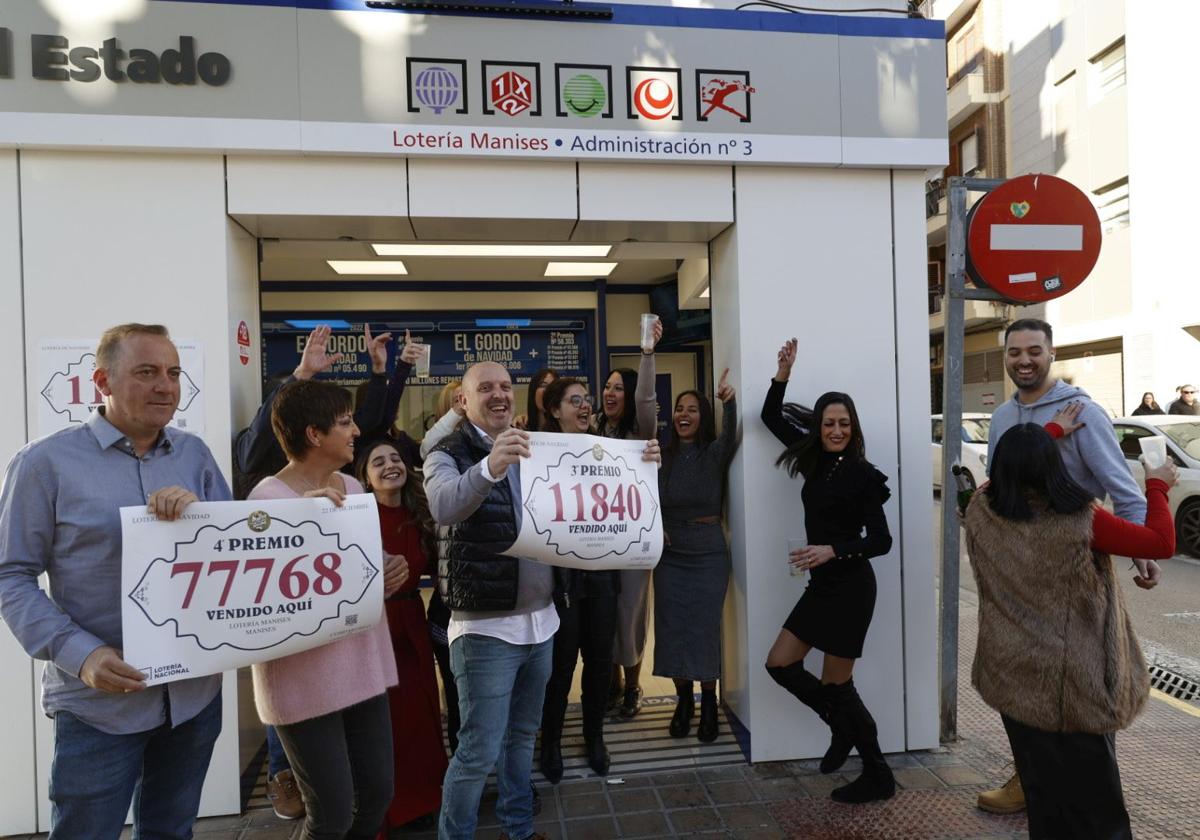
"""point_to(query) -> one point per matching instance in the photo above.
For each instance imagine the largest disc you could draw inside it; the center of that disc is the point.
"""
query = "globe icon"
(436, 88)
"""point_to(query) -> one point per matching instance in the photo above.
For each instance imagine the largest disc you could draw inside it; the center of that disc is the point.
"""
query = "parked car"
(974, 446)
(1183, 446)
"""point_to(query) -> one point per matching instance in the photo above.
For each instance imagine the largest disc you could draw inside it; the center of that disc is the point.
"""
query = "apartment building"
(1081, 89)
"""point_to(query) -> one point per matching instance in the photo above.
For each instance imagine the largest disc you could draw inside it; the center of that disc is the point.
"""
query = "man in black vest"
(503, 618)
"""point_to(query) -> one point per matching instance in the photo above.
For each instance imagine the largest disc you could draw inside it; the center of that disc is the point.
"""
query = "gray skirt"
(690, 582)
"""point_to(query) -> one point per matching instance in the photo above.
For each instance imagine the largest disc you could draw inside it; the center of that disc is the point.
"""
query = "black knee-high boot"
(809, 691)
(851, 714)
(685, 708)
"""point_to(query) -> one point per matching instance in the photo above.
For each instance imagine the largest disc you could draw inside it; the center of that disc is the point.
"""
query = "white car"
(974, 446)
(1183, 446)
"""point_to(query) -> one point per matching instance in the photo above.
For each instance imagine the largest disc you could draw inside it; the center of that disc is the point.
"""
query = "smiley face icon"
(583, 96)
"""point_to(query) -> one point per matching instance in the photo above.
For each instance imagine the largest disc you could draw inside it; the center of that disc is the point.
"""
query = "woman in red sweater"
(1057, 655)
(408, 530)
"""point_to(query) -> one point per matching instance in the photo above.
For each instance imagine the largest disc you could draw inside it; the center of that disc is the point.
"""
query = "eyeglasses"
(581, 399)
(1188, 392)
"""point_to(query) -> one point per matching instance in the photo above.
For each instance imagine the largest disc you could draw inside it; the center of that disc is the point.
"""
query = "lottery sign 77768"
(589, 503)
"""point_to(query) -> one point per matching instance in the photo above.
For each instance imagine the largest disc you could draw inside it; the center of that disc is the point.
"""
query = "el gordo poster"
(590, 503)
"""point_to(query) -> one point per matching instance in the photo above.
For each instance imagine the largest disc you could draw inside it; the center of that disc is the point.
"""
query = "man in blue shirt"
(115, 740)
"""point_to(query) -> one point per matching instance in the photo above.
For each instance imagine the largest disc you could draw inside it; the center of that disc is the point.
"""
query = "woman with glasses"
(691, 578)
(587, 624)
(845, 525)
(329, 704)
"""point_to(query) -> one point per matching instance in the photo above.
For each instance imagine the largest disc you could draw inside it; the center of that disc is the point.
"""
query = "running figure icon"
(716, 91)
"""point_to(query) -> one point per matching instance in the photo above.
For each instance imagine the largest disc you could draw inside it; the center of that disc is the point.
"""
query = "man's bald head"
(488, 391)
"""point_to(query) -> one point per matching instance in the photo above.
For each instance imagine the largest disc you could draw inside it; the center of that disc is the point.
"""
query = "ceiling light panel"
(363, 267)
(579, 269)
(412, 249)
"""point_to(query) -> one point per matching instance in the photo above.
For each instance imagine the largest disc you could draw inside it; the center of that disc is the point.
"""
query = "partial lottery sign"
(234, 583)
(589, 503)
(67, 395)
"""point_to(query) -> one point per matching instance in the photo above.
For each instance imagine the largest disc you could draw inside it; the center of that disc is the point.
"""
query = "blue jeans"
(277, 760)
(94, 775)
(500, 691)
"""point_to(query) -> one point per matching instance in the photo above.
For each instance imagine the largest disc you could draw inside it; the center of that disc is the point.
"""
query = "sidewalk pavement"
(935, 800)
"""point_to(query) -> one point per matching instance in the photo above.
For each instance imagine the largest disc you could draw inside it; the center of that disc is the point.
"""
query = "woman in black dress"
(843, 496)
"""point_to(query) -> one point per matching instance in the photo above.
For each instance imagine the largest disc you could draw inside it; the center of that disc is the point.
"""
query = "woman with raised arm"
(630, 419)
(1057, 655)
(329, 704)
(843, 497)
(408, 532)
(693, 574)
(587, 620)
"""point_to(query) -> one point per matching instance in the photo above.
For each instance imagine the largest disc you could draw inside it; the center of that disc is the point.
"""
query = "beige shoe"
(1009, 799)
(285, 796)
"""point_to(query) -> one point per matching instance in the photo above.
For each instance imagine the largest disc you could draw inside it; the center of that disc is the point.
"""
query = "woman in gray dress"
(693, 574)
(628, 411)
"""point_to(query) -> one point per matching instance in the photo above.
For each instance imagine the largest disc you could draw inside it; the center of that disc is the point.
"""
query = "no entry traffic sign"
(1033, 238)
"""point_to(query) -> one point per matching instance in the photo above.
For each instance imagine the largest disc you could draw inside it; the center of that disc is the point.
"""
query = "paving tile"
(773, 789)
(820, 786)
(803, 766)
(592, 828)
(281, 831)
(687, 777)
(580, 787)
(729, 793)
(954, 775)
(649, 824)
(212, 825)
(721, 774)
(631, 801)
(768, 770)
(917, 778)
(588, 805)
(902, 760)
(746, 816)
(758, 833)
(683, 796)
(633, 781)
(695, 820)
(933, 758)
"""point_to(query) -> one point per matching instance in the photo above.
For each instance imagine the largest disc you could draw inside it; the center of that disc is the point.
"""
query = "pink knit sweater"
(328, 678)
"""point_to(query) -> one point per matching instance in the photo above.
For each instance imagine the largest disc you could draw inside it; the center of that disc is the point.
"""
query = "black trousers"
(588, 626)
(343, 765)
(1072, 783)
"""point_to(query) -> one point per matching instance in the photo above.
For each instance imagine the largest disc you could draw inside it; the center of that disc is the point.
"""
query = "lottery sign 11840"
(589, 503)
(229, 584)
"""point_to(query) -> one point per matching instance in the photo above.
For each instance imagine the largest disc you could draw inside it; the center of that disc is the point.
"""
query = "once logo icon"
(436, 88)
(654, 99)
(511, 93)
(584, 96)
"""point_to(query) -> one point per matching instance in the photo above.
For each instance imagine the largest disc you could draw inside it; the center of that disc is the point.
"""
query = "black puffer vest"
(472, 573)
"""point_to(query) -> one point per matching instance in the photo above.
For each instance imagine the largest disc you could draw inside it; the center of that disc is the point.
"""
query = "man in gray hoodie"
(1090, 453)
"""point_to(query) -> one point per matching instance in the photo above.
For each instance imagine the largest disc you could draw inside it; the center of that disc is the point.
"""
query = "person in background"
(535, 415)
(408, 532)
(692, 577)
(1057, 655)
(450, 413)
(846, 526)
(115, 740)
(1091, 455)
(1148, 405)
(1186, 404)
(630, 419)
(587, 621)
(329, 704)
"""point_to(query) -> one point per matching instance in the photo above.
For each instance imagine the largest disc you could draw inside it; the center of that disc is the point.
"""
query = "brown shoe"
(1008, 799)
(285, 796)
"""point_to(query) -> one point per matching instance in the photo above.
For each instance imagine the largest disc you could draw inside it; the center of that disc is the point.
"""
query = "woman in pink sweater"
(329, 704)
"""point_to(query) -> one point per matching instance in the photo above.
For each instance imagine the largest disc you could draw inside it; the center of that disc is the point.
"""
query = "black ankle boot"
(551, 759)
(597, 755)
(706, 731)
(876, 781)
(842, 742)
(681, 721)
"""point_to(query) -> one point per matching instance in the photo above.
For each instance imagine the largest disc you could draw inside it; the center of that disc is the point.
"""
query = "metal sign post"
(952, 384)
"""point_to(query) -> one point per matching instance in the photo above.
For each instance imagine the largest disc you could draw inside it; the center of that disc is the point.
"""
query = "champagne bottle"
(966, 487)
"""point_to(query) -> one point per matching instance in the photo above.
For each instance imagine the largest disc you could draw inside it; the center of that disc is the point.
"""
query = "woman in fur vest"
(1057, 655)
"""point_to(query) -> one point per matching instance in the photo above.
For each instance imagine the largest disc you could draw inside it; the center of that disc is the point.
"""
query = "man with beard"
(1090, 453)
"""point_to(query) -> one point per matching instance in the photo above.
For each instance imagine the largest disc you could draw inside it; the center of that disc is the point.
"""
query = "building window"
(1112, 203)
(1107, 72)
(968, 154)
(964, 52)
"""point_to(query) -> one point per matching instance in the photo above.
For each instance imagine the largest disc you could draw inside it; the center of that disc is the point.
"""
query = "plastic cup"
(795, 545)
(648, 322)
(1154, 450)
(422, 365)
